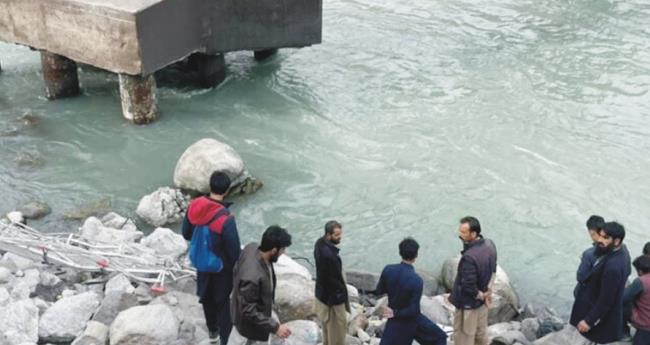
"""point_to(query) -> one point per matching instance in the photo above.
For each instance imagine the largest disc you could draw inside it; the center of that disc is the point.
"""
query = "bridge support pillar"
(60, 76)
(211, 69)
(261, 55)
(139, 100)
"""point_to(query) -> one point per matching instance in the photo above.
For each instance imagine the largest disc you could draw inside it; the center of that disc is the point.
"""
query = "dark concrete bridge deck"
(138, 37)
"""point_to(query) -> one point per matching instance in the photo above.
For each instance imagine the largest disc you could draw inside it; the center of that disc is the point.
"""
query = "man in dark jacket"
(404, 288)
(471, 293)
(214, 289)
(331, 302)
(598, 308)
(589, 257)
(254, 290)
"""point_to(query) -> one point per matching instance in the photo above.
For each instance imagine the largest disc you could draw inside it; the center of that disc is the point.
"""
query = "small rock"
(145, 325)
(35, 210)
(119, 283)
(164, 206)
(91, 209)
(19, 323)
(66, 318)
(166, 242)
(96, 333)
(16, 217)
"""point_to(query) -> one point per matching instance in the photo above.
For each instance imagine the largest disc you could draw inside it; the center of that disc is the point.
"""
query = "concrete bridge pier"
(60, 76)
(261, 55)
(139, 99)
(211, 69)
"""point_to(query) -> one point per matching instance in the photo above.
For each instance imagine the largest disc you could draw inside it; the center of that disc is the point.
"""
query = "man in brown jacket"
(254, 290)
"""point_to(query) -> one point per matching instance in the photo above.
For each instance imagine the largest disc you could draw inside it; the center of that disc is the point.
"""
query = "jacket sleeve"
(605, 302)
(187, 228)
(381, 284)
(413, 308)
(231, 244)
(468, 274)
(586, 261)
(632, 291)
(249, 294)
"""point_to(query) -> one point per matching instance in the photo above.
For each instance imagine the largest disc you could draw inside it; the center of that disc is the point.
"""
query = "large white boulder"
(505, 303)
(145, 325)
(116, 221)
(164, 206)
(67, 318)
(201, 159)
(94, 231)
(288, 266)
(19, 323)
(166, 242)
(303, 332)
(294, 298)
(438, 309)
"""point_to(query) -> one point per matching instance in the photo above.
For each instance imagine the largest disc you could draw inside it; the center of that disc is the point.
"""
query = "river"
(530, 115)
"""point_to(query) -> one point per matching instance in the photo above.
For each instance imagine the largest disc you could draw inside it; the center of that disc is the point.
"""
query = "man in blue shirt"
(404, 288)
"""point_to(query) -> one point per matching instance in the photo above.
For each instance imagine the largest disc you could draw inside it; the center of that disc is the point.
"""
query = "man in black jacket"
(471, 293)
(214, 289)
(598, 308)
(331, 291)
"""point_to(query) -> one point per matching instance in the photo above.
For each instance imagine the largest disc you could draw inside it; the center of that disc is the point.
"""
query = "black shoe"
(214, 337)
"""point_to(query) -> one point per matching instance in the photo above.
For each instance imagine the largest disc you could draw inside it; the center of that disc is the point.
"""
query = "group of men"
(242, 292)
(603, 305)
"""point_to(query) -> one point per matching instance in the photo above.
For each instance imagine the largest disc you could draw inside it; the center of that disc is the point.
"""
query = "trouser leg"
(465, 327)
(481, 326)
(211, 314)
(224, 323)
(336, 325)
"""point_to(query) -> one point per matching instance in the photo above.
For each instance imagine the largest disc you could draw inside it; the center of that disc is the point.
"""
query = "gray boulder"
(189, 313)
(303, 332)
(530, 328)
(113, 303)
(35, 210)
(163, 206)
(437, 309)
(201, 159)
(287, 266)
(19, 323)
(25, 286)
(166, 242)
(145, 325)
(66, 318)
(431, 281)
(362, 280)
(96, 333)
(119, 283)
(294, 298)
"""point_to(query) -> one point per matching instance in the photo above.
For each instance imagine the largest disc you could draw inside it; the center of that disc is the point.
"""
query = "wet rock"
(95, 333)
(362, 280)
(145, 325)
(201, 159)
(294, 298)
(19, 323)
(95, 208)
(35, 210)
(164, 206)
(66, 318)
(303, 332)
(29, 120)
(113, 303)
(530, 327)
(166, 242)
(30, 159)
(94, 231)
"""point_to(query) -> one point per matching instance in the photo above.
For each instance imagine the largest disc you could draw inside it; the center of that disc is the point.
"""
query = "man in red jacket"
(214, 289)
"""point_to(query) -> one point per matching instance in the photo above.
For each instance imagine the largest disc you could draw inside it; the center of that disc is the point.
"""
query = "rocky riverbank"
(48, 304)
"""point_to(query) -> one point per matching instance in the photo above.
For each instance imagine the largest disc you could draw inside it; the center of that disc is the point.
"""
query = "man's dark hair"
(219, 183)
(595, 223)
(408, 249)
(275, 237)
(614, 230)
(642, 264)
(646, 249)
(474, 225)
(330, 226)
